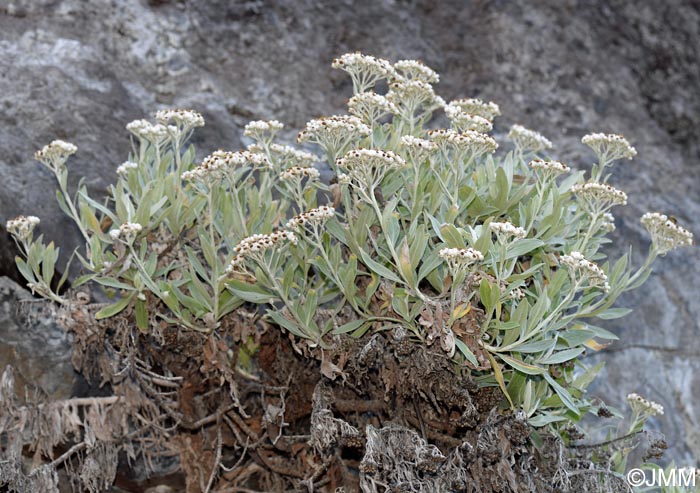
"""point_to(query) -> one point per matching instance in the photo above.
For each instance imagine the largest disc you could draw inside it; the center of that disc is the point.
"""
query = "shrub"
(493, 258)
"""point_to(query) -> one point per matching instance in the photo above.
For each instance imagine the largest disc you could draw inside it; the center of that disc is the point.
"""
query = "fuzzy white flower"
(460, 259)
(599, 196)
(417, 149)
(183, 119)
(299, 172)
(255, 246)
(370, 106)
(466, 144)
(462, 121)
(315, 216)
(364, 70)
(416, 70)
(153, 133)
(334, 133)
(124, 168)
(549, 167)
(666, 235)
(367, 167)
(262, 130)
(505, 230)
(609, 147)
(608, 224)
(22, 226)
(644, 406)
(55, 154)
(286, 155)
(581, 269)
(126, 232)
(528, 140)
(411, 95)
(477, 107)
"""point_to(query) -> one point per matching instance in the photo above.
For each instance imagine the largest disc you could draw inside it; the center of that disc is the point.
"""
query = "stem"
(215, 267)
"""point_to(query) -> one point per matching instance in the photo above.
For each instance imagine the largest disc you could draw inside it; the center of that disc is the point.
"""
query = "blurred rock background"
(79, 71)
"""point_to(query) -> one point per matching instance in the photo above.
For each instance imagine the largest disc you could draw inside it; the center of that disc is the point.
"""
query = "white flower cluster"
(365, 70)
(54, 155)
(370, 106)
(409, 95)
(219, 163)
(459, 259)
(262, 130)
(417, 149)
(333, 132)
(153, 133)
(528, 140)
(124, 168)
(666, 235)
(461, 120)
(126, 232)
(416, 70)
(477, 107)
(22, 226)
(608, 223)
(609, 147)
(286, 155)
(185, 119)
(313, 216)
(549, 167)
(582, 269)
(368, 166)
(256, 245)
(473, 143)
(505, 230)
(299, 172)
(645, 406)
(599, 196)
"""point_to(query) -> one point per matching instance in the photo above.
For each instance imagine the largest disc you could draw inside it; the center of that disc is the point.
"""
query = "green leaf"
(141, 315)
(464, 349)
(379, 268)
(284, 322)
(613, 313)
(544, 419)
(563, 394)
(498, 375)
(250, 292)
(115, 308)
(521, 247)
(521, 365)
(452, 236)
(349, 327)
(561, 356)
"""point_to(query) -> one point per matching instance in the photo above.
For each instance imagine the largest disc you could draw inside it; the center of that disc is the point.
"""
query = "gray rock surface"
(81, 70)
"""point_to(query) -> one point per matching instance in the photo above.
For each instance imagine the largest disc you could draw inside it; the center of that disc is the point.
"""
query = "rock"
(81, 70)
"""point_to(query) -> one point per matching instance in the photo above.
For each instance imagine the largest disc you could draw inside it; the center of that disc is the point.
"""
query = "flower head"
(644, 406)
(22, 226)
(55, 154)
(219, 163)
(299, 172)
(262, 130)
(255, 246)
(417, 149)
(125, 167)
(549, 168)
(315, 216)
(365, 70)
(460, 259)
(527, 140)
(370, 106)
(145, 130)
(609, 147)
(666, 235)
(410, 95)
(415, 70)
(462, 121)
(285, 155)
(581, 270)
(126, 233)
(184, 120)
(468, 144)
(334, 133)
(477, 107)
(599, 196)
(608, 224)
(505, 230)
(367, 167)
